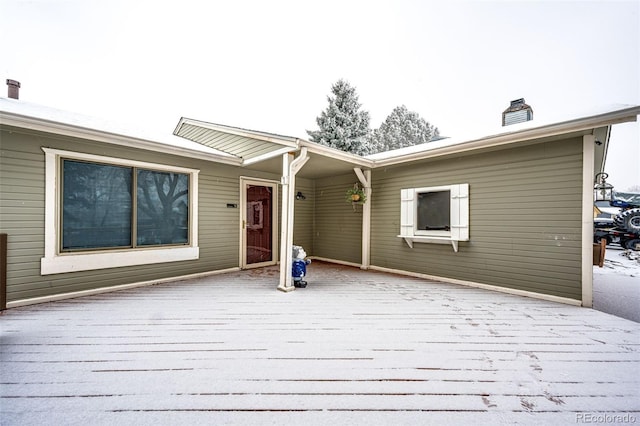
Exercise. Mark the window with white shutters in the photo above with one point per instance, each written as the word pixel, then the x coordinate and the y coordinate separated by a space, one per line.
pixel 438 214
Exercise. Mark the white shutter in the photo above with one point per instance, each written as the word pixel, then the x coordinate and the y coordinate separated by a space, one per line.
pixel 460 212
pixel 406 212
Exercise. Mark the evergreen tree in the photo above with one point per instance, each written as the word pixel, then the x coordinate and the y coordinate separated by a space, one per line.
pixel 343 125
pixel 400 129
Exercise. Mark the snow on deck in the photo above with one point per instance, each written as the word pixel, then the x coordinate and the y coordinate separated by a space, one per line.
pixel 616 286
pixel 354 347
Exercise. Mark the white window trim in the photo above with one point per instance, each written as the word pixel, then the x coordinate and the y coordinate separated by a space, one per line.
pixel 55 262
pixel 459 216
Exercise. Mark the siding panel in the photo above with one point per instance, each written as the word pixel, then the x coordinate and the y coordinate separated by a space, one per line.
pixel 524 206
pixel 338 227
pixel 22 216
pixel 304 216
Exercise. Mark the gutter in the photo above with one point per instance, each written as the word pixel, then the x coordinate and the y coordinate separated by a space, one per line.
pixel 606 149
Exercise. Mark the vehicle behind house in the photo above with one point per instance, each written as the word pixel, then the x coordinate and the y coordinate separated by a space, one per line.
pixel 618 221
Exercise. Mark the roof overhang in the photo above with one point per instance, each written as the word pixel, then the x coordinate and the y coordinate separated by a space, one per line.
pixel 323 162
pixel 263 151
pixel 248 145
pixel 519 134
pixel 20 115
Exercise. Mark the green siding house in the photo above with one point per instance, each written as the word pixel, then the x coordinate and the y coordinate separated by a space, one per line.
pixel 88 207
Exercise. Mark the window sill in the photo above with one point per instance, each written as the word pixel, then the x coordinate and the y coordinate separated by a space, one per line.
pixel 116 259
pixel 432 240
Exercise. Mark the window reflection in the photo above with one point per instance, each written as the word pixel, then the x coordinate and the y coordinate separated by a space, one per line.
pixel 96 206
pixel 162 207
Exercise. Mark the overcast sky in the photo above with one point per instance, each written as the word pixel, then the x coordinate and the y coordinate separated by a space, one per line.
pixel 269 65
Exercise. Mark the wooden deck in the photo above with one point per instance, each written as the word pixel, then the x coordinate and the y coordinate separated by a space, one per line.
pixel 354 347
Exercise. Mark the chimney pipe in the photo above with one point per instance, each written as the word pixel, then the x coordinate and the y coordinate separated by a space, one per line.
pixel 13 89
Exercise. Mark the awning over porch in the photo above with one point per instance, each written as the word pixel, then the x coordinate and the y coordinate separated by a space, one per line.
pixel 249 145
pixel 287 157
pixel 263 151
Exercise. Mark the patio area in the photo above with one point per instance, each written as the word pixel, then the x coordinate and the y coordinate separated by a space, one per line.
pixel 354 347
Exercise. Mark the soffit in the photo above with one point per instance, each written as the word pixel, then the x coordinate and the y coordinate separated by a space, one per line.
pixel 263 151
pixel 248 145
pixel 318 166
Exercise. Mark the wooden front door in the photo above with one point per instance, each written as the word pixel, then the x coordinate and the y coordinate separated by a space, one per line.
pixel 259 223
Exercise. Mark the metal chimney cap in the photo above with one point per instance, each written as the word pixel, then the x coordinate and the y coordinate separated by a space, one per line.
pixel 13 89
pixel 517 105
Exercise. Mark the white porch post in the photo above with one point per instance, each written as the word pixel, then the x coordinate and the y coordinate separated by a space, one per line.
pixel 284 218
pixel 289 171
pixel 365 180
pixel 588 158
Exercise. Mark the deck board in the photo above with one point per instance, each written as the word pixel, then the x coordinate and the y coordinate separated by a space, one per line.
pixel 354 347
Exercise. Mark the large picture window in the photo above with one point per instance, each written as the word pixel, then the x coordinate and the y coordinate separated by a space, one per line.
pixel 98 202
pixel 437 214
pixel 110 212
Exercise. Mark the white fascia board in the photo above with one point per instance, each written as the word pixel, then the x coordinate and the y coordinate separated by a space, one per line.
pixel 42 125
pixel 267 137
pixel 336 154
pixel 582 124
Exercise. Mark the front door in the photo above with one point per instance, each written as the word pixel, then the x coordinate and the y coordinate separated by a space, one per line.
pixel 259 233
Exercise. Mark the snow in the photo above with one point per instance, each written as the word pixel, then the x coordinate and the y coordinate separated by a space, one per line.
pixel 619 262
pixel 354 347
pixel 616 286
pixel 131 130
pixel 474 134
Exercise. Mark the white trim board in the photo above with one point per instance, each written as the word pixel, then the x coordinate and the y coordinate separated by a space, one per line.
pixel 101 290
pixel 55 262
pixel 242 211
pixel 515 292
pixel 588 173
pixel 507 290
pixel 336 261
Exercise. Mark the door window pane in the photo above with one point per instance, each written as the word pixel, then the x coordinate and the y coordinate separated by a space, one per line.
pixel 162 208
pixel 259 231
pixel 96 206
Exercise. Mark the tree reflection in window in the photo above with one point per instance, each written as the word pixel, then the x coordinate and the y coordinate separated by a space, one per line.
pixel 97 203
pixel 98 200
pixel 162 208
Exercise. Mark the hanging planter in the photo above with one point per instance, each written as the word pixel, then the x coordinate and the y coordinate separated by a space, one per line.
pixel 355 195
